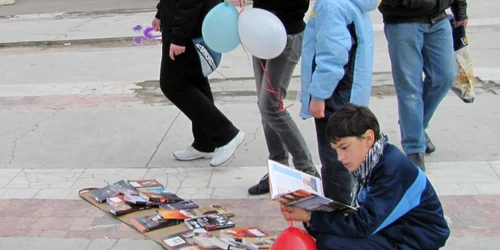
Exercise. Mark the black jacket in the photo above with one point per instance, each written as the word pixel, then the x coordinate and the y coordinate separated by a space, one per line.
pixel 181 20
pixel 427 11
pixel 290 12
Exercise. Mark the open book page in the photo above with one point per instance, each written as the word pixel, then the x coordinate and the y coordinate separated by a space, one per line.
pixel 294 188
pixel 285 180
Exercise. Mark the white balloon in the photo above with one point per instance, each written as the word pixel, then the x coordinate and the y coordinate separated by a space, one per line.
pixel 261 33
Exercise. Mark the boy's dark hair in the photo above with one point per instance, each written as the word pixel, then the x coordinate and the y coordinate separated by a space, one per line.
pixel 351 120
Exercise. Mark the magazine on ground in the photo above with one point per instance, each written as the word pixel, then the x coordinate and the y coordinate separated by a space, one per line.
pixel 295 188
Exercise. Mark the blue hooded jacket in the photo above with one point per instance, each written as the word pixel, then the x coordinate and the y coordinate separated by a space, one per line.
pixel 337 54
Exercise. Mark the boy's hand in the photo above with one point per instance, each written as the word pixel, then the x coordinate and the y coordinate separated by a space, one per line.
pixel 156 24
pixel 317 109
pixel 176 50
pixel 295 214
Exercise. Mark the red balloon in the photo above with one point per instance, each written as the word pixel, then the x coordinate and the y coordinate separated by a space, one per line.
pixel 294 238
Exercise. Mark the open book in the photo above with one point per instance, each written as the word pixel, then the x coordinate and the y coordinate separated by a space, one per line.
pixel 294 188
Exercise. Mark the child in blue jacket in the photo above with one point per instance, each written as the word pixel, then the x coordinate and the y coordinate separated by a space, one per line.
pixel 337 67
pixel 397 206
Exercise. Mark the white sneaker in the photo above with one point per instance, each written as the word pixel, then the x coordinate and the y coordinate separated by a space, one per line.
pixel 225 152
pixel 190 154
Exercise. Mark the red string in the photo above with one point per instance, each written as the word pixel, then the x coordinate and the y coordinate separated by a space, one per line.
pixel 279 100
pixel 290 222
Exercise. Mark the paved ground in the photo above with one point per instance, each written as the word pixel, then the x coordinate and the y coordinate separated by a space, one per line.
pixel 90 112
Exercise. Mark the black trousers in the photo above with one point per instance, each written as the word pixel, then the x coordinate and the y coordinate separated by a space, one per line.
pixel 183 83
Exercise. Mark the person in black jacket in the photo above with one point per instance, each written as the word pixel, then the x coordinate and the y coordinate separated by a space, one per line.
pixel 420 40
pixel 182 81
pixel 397 206
pixel 283 137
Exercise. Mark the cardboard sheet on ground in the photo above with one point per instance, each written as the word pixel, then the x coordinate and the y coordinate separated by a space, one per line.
pixel 156 235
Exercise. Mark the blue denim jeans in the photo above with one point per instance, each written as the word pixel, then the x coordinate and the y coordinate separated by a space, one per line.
pixel 415 48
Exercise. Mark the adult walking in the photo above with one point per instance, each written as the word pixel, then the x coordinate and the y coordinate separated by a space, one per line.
pixel 183 83
pixel 282 134
pixel 420 40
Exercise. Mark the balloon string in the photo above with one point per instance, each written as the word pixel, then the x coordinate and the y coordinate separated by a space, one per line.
pixel 279 100
pixel 290 222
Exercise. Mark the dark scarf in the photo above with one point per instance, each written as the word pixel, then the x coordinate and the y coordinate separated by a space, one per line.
pixel 362 175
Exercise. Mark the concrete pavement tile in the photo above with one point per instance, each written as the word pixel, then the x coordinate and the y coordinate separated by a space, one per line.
pixel 455 188
pixel 74 194
pixel 126 235
pixel 4 181
pixel 20 193
pixel 175 178
pixel 243 177
pixel 52 223
pixel 53 233
pixel 62 185
pixel 467 243
pixel 2 191
pixel 55 172
pixel 136 244
pixel 230 193
pixel 461 172
pixel 9 172
pixel 30 243
pixel 195 193
pixel 102 244
pixel 496 166
pixel 488 188
pixel 53 194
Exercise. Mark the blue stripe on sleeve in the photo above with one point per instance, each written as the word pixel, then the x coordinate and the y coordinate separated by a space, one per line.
pixel 410 200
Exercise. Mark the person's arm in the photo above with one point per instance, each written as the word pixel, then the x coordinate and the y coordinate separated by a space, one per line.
pixel 459 10
pixel 333 43
pixel 386 202
pixel 186 18
pixel 158 10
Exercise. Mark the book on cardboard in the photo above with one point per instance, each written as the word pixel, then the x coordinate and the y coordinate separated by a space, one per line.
pixel 210 242
pixel 118 206
pixel 243 232
pixel 152 222
pixel 137 200
pixel 145 183
pixel 210 223
pixel 176 214
pixel 184 239
pixel 102 194
pixel 158 194
pixel 258 243
pixel 179 205
pixel 214 210
pixel 295 188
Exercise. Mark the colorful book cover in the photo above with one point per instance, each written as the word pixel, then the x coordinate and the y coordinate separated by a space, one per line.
pixel 176 214
pixel 102 194
pixel 145 183
pixel 152 222
pixel 243 232
pixel 210 223
pixel 179 205
pixel 259 242
pixel 184 239
pixel 158 194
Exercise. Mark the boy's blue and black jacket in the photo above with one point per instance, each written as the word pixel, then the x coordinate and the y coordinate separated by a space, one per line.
pixel 337 54
pixel 400 204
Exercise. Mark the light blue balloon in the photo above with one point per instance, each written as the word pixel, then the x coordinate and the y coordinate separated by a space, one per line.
pixel 220 28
